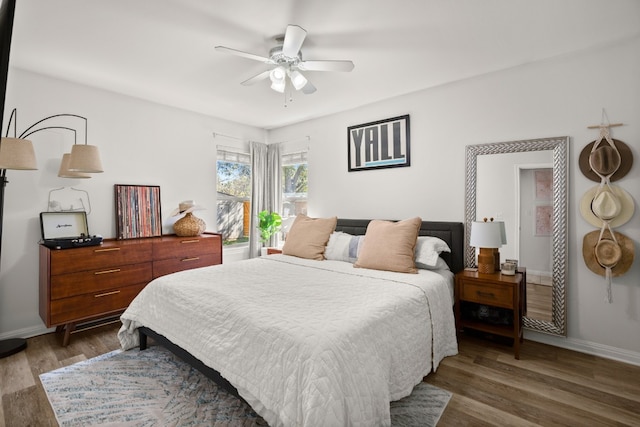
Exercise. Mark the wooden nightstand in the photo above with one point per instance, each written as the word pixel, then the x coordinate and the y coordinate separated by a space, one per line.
pixel 492 303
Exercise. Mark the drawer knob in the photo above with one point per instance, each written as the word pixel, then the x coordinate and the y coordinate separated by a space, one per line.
pixel 190 241
pixel 106 294
pixel 190 259
pixel 115 270
pixel 485 294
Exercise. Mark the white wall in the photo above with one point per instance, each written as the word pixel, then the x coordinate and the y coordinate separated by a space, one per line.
pixel 140 143
pixel 558 97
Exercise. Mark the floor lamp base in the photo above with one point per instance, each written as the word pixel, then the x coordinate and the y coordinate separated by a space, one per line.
pixel 12 346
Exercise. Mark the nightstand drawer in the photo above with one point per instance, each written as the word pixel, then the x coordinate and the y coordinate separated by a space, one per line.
pixel 501 296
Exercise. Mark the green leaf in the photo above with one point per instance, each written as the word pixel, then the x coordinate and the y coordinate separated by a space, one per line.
pixel 269 224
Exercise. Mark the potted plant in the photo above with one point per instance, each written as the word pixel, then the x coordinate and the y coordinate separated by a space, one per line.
pixel 269 224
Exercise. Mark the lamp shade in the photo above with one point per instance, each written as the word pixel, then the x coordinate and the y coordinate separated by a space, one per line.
pixel 486 234
pixel 16 153
pixel 297 79
pixel 278 86
pixel 64 171
pixel 503 232
pixel 85 158
pixel 277 75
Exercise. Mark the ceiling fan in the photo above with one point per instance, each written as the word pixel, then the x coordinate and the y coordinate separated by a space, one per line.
pixel 286 63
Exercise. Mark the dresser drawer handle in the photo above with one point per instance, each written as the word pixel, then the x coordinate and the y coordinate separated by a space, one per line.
pixel 485 294
pixel 106 250
pixel 190 241
pixel 106 294
pixel 115 270
pixel 190 259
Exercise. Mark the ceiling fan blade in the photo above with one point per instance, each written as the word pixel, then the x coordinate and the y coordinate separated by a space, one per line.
pixel 293 39
pixel 263 75
pixel 309 88
pixel 244 54
pixel 326 65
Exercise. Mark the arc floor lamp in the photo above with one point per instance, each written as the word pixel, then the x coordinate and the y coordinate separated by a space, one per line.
pixel 17 153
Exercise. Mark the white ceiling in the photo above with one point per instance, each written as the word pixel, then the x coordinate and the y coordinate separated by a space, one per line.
pixel 163 50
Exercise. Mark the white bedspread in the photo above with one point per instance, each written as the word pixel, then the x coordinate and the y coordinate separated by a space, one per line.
pixel 306 343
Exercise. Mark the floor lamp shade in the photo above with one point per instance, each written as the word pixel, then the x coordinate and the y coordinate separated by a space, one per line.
pixel 486 236
pixel 18 154
pixel 85 158
pixel 64 171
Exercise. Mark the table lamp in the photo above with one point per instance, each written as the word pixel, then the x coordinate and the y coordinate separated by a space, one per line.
pixel 503 238
pixel 487 236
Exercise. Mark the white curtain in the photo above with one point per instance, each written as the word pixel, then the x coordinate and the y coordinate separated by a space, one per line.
pixel 265 189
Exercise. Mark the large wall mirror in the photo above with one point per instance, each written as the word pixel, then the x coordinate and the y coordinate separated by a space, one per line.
pixel 525 184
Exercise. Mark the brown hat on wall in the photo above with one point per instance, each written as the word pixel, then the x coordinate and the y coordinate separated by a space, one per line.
pixel 599 253
pixel 605 159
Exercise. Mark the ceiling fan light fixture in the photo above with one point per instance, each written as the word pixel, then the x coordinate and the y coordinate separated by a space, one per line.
pixel 297 79
pixel 286 62
pixel 278 86
pixel 278 75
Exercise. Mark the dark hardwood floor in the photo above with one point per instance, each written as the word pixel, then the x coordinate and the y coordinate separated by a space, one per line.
pixel 548 386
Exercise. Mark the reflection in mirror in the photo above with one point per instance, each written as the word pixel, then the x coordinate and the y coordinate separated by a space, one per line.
pixel 524 184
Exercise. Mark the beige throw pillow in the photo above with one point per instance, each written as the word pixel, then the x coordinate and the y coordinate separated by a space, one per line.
pixel 308 237
pixel 390 246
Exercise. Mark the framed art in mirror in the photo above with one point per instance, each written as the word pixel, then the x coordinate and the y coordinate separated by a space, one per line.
pixel 137 211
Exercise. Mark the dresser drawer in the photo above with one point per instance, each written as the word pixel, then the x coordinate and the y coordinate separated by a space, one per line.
pixel 186 247
pixel 501 296
pixel 95 304
pixel 172 265
pixel 89 282
pixel 99 257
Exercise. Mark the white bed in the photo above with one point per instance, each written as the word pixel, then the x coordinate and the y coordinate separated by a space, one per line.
pixel 305 342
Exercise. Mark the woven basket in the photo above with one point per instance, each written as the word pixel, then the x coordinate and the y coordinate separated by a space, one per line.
pixel 189 226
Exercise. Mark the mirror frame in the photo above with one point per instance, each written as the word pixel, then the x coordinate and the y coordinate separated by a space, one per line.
pixel 560 148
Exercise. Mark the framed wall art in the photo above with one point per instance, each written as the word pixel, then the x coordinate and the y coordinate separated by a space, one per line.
pixel 544 220
pixel 137 211
pixel 381 144
pixel 544 183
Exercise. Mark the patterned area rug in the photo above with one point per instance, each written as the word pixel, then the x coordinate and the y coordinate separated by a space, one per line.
pixel 156 388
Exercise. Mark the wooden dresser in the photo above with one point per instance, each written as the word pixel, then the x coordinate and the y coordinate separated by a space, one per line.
pixel 84 284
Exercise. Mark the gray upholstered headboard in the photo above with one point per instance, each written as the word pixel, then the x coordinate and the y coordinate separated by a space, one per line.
pixel 450 232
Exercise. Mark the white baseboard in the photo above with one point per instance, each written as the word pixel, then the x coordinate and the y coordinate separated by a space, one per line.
pixel 26 332
pixel 588 347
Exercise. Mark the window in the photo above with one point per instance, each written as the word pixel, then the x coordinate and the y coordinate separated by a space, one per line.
pixel 234 196
pixel 294 184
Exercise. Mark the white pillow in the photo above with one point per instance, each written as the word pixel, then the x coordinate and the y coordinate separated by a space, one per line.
pixel 428 249
pixel 440 265
pixel 343 247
